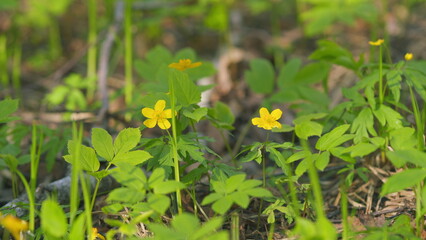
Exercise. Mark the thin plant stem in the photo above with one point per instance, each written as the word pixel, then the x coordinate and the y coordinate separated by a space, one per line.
pixel 192 194
pixel 271 231
pixel 30 200
pixel 4 78
pixel 75 172
pixel 419 215
pixel 35 157
pixel 418 118
pixel 381 90
pixel 128 53
pixel 315 184
pixel 92 51
pixel 235 226
pixel 87 203
pixel 344 209
pixel 95 191
pixel 174 139
pixel 16 70
pixel 54 40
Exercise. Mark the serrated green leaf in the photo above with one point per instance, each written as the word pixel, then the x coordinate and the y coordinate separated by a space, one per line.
pixel 159 203
pixel 156 59
pixel 126 140
pixel 208 228
pixel 186 224
pixel 185 90
pixel 402 180
pixel 102 143
pixel 362 125
pixel 322 160
pixel 258 192
pixel 125 195
pixel 307 129
pixel 403 138
pixel 222 205
pixel 387 115
pixel 87 159
pixel 212 197
pixel 240 198
pixel 133 157
pixel 168 187
pixel 331 139
pixel 363 149
pixel 288 73
pixel 157 177
pixel 394 79
pixel 400 157
pixel 8 106
pixel 234 182
pixel 196 114
pixel 298 155
pixel 261 76
pixel 53 219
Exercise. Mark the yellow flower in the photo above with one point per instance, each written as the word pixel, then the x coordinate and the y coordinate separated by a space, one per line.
pixel 268 120
pixel 14 225
pixel 158 115
pixel 408 56
pixel 96 235
pixel 184 64
pixel 376 43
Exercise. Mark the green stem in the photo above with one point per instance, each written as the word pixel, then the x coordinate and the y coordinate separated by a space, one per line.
pixel 87 203
pixel 54 40
pixel 418 118
pixel 128 53
pixel 381 90
pixel 174 139
pixel 75 172
pixel 419 215
pixel 235 226
pixel 315 183
pixel 4 78
pixel 344 207
pixel 16 70
pixel 35 157
pixel 30 200
pixel 92 51
pixel 95 191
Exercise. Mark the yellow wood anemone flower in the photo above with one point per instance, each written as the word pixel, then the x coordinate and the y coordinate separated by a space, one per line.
pixel 376 43
pixel 408 56
pixel 267 120
pixel 184 64
pixel 96 235
pixel 14 225
pixel 158 115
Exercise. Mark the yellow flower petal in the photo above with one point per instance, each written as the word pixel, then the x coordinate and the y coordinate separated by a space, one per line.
pixel 376 43
pixel 164 123
pixel 148 112
pixel 408 56
pixel 184 64
pixel 14 225
pixel 166 113
pixel 150 123
pixel 160 105
pixel 263 112
pixel 276 114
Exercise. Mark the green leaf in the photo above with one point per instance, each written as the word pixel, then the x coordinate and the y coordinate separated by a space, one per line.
pixel 362 149
pixel 402 180
pixel 186 92
pixel 156 177
pixel 212 197
pixel 87 159
pixel 126 140
pixel 260 77
pixel 156 59
pixel 133 157
pixel 258 192
pixel 126 195
pixel 186 224
pixel 394 79
pixel 159 203
pixel 307 129
pixel 333 138
pixel 8 106
pixel 403 138
pixel 208 228
pixel 223 116
pixel 240 198
pixel 197 114
pixel 130 176
pixel 313 73
pixel 222 205
pixel 53 219
pixel 362 125
pixel 77 225
pixel 288 73
pixel 234 182
pixel 322 160
pixel 400 157
pixel 102 143
pixel 168 187
pixel 389 116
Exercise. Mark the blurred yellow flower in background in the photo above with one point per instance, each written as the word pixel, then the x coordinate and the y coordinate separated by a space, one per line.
pixel 158 115
pixel 96 235
pixel 408 56
pixel 184 64
pixel 268 120
pixel 376 43
pixel 14 225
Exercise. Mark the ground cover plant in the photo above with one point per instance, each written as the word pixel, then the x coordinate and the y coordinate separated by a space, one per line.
pixel 211 120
